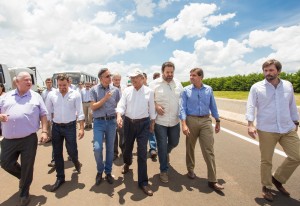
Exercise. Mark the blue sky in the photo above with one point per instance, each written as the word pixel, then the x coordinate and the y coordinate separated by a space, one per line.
pixel 224 37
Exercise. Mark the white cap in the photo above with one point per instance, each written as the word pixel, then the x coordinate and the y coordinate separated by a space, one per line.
pixel 135 73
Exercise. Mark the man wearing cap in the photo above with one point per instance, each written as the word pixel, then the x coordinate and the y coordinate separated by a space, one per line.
pixel 167 92
pixel 104 99
pixel 137 103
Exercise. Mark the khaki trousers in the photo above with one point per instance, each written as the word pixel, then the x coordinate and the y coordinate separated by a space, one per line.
pixel 201 128
pixel 87 113
pixel 291 145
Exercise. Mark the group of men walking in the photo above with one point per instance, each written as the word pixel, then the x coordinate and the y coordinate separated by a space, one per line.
pixel 137 113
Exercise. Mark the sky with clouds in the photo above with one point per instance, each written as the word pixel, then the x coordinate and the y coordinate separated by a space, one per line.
pixel 224 37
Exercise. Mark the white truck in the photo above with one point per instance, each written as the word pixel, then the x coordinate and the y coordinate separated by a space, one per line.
pixel 7 75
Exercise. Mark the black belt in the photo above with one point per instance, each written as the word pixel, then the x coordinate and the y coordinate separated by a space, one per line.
pixel 64 124
pixel 199 116
pixel 136 120
pixel 106 118
pixel 86 102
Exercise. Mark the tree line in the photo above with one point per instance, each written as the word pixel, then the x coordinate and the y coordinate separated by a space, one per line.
pixel 244 82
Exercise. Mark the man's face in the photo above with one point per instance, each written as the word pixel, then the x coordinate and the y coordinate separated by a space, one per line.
pixel 270 72
pixel 48 84
pixel 106 78
pixel 63 86
pixel 168 74
pixel 137 81
pixel 24 83
pixel 116 81
pixel 87 85
pixel 195 79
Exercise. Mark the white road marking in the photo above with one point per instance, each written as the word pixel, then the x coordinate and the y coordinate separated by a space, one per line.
pixel 277 151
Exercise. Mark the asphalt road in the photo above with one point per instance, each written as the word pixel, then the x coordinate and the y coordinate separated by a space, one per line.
pixel 237 168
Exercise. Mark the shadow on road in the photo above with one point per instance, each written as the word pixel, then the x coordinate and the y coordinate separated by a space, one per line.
pixel 34 200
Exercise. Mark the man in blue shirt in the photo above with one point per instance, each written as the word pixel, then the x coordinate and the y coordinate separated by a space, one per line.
pixel 197 101
pixel 104 99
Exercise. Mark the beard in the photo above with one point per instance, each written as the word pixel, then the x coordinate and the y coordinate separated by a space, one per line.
pixel 271 77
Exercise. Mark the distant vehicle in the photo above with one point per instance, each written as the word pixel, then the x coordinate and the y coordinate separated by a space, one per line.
pixel 7 75
pixel 77 76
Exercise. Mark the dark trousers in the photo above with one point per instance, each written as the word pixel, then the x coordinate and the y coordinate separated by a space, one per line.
pixel 119 141
pixel 140 132
pixel 59 134
pixel 11 150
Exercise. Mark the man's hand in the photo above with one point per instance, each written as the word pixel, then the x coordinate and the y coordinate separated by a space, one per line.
pixel 119 121
pixel 152 123
pixel 44 138
pixel 4 117
pixel 159 109
pixel 252 132
pixel 185 130
pixel 217 127
pixel 80 133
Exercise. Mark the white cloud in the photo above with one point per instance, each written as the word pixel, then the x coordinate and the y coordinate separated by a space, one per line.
pixel 193 20
pixel 104 17
pixel 164 3
pixel 145 7
pixel 236 23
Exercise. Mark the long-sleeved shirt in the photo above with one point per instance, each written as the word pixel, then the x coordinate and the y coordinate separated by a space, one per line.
pixel 109 107
pixel 45 93
pixel 137 104
pixel 24 113
pixel 64 108
pixel 276 107
pixel 85 95
pixel 198 102
pixel 167 95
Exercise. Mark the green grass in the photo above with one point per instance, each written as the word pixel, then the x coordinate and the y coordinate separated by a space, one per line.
pixel 243 95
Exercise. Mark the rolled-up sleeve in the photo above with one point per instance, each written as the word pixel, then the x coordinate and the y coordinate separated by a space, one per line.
pixel 79 108
pixel 182 105
pixel 251 104
pixel 152 113
pixel 121 106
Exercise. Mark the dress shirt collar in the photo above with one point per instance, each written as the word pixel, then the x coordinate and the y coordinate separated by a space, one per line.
pixel 18 94
pixel 105 88
pixel 268 83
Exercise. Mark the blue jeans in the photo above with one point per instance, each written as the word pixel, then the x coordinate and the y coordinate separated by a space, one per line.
pixel 167 139
pixel 140 132
pixel 104 129
pixel 59 134
pixel 152 141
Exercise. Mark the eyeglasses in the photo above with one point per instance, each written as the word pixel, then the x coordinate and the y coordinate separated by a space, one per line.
pixel 108 76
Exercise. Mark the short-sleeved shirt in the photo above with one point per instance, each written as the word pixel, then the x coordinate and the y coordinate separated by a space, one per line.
pixel 24 113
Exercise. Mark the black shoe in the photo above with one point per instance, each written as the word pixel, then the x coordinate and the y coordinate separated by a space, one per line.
pixel 153 154
pixel 109 179
pixel 279 187
pixel 24 201
pixel 51 164
pixel 78 166
pixel 125 169
pixel 146 189
pixel 98 178
pixel 57 184
pixel 215 186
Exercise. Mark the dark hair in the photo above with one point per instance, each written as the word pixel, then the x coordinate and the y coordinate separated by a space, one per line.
pixel 199 71
pixel 62 77
pixel 156 75
pixel 48 79
pixel 103 70
pixel 145 75
pixel 167 64
pixel 270 62
pixel 3 87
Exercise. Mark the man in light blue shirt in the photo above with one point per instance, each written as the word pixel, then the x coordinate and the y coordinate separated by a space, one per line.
pixel 277 121
pixel 197 101
pixel 86 100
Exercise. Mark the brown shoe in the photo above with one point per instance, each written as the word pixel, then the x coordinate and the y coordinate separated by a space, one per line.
pixel 267 194
pixel 191 175
pixel 125 169
pixel 279 187
pixel 146 189
pixel 216 186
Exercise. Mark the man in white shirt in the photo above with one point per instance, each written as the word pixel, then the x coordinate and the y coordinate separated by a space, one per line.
pixel 137 104
pixel 167 92
pixel 64 105
pixel 277 122
pixel 86 100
